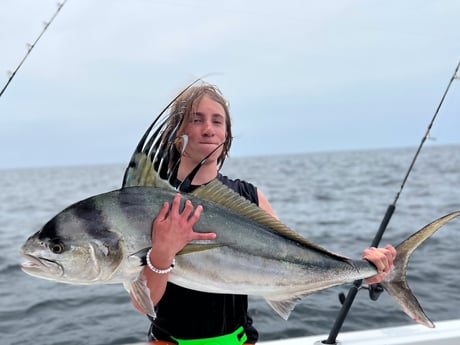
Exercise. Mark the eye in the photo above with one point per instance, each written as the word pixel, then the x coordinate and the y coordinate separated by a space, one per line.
pixel 57 247
pixel 218 119
pixel 196 118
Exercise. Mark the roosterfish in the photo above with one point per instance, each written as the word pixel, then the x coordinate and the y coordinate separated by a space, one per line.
pixel 104 240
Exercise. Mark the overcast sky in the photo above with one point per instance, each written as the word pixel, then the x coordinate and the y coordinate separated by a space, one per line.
pixel 300 75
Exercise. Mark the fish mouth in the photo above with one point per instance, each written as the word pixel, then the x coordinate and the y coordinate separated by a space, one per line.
pixel 41 267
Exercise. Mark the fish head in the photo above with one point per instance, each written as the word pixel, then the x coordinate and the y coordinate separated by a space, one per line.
pixel 74 247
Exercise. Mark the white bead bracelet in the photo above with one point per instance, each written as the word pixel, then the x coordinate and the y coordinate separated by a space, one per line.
pixel 157 270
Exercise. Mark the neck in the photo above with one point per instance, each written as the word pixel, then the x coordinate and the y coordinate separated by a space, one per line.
pixel 206 173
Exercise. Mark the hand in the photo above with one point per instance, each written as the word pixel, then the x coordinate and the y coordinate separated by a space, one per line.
pixel 383 259
pixel 172 229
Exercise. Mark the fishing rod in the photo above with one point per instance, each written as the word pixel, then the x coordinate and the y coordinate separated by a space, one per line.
pixel 31 46
pixel 376 289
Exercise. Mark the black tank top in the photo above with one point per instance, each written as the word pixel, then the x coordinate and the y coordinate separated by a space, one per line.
pixel 190 314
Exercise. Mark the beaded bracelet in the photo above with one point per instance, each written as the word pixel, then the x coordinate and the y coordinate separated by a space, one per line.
pixel 157 270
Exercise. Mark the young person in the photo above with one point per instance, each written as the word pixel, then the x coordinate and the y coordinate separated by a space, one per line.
pixel 189 314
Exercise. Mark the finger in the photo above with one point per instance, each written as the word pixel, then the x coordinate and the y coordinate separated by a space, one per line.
pixel 369 254
pixel 195 214
pixel 376 257
pixel 204 236
pixel 375 279
pixel 392 251
pixel 163 213
pixel 188 209
pixel 176 203
pixel 389 254
pixel 200 235
pixel 384 263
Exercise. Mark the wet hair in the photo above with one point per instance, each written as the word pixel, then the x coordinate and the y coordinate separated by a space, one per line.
pixel 183 108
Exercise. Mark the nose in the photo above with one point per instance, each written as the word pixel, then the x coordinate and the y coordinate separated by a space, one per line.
pixel 208 129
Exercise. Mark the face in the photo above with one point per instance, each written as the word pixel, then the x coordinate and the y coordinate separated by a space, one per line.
pixel 206 130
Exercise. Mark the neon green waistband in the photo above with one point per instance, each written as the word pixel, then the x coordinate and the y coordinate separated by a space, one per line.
pixel 237 337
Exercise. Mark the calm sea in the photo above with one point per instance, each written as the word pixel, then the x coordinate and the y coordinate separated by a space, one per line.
pixel 335 199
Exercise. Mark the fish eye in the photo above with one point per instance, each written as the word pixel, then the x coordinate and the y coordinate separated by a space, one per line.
pixel 57 247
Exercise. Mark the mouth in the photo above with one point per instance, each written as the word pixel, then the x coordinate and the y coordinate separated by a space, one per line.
pixel 41 267
pixel 33 262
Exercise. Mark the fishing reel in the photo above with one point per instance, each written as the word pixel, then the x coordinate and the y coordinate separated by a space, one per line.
pixel 375 290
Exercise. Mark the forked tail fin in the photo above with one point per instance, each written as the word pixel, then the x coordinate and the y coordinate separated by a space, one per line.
pixel 395 283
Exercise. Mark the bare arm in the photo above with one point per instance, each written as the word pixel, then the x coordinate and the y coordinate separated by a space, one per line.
pixel 265 205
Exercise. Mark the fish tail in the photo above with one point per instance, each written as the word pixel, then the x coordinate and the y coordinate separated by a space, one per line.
pixel 395 283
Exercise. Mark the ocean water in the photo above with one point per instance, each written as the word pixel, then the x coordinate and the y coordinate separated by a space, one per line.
pixel 335 199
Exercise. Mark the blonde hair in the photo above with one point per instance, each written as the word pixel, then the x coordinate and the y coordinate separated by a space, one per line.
pixel 183 108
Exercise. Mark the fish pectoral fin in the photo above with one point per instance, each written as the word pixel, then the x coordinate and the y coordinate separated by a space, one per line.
pixel 138 258
pixel 199 247
pixel 141 293
pixel 284 307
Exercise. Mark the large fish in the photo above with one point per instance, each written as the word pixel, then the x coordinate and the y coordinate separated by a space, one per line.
pixel 104 240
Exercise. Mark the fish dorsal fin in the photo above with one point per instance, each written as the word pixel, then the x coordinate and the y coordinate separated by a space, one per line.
pixel 151 164
pixel 219 193
pixel 140 172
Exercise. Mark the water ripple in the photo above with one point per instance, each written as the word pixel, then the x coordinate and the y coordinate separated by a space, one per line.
pixel 336 199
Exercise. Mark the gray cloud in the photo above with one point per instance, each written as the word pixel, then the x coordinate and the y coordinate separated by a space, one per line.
pixel 300 75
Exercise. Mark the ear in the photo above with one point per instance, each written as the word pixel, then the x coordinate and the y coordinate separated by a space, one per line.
pixel 179 142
